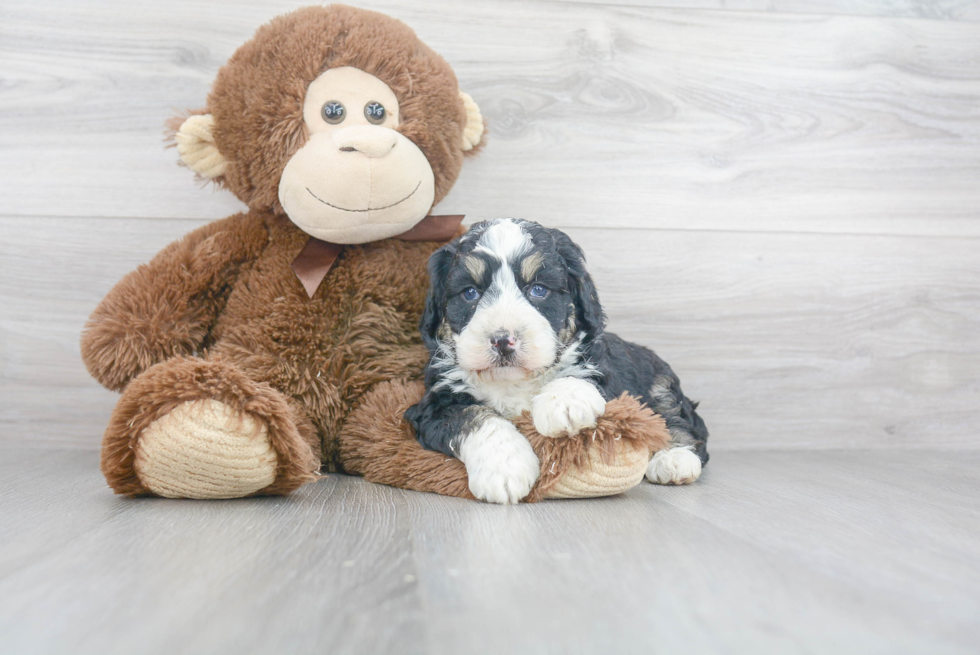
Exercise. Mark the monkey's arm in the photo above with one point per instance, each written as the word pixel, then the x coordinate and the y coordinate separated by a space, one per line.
pixel 167 307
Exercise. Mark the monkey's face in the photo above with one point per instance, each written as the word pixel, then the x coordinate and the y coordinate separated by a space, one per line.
pixel 356 179
pixel 339 118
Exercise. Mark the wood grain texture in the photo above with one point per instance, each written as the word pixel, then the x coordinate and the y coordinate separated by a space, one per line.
pixel 955 10
pixel 599 114
pixel 784 204
pixel 790 340
pixel 287 571
pixel 50 281
pixel 806 552
pixel 805 340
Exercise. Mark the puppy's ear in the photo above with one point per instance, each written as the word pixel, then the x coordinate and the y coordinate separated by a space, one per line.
pixel 589 314
pixel 435 302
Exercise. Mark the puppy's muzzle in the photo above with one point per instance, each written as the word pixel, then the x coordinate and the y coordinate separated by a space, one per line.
pixel 504 344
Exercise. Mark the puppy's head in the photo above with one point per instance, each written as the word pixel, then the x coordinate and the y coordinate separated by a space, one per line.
pixel 508 297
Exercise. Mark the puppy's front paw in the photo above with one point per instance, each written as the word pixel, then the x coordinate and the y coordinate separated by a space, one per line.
pixel 500 463
pixel 565 406
pixel 674 466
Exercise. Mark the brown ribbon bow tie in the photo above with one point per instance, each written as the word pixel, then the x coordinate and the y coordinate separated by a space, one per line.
pixel 317 257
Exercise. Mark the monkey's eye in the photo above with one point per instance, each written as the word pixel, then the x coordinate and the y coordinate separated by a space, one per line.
pixel 375 112
pixel 538 291
pixel 333 112
pixel 470 294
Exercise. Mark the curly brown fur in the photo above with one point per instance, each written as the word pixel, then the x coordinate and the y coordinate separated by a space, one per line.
pixel 324 351
pixel 167 307
pixel 379 445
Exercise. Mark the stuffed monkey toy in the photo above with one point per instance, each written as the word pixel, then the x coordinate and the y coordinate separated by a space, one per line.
pixel 266 347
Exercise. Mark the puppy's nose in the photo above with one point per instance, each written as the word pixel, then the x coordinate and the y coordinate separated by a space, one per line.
pixel 369 140
pixel 503 342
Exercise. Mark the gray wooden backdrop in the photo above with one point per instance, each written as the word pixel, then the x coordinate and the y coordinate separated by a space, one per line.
pixel 781 197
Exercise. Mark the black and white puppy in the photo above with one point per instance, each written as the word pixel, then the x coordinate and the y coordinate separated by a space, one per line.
pixel 513 323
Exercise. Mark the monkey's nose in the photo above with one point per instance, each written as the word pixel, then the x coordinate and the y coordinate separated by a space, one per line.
pixel 503 342
pixel 369 140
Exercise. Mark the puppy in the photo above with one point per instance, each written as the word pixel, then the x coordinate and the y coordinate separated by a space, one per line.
pixel 513 323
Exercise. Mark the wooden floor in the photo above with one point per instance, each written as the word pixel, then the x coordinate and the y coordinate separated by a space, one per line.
pixel 805 552
pixel 781 197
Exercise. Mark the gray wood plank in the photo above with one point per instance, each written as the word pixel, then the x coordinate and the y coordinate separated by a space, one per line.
pixel 94 573
pixel 770 552
pixel 956 10
pixel 805 340
pixel 894 504
pixel 50 281
pixel 790 340
pixel 791 562
pixel 599 114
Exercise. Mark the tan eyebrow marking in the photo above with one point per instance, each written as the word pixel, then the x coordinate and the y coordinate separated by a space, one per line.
pixel 476 266
pixel 531 264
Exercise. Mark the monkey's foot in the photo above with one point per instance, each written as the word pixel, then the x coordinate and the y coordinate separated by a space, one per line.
pixel 605 460
pixel 600 478
pixel 193 428
pixel 205 449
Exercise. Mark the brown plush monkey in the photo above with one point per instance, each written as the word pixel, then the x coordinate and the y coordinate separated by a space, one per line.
pixel 265 347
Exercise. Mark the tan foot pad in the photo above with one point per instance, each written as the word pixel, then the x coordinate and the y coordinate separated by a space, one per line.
pixel 205 449
pixel 598 478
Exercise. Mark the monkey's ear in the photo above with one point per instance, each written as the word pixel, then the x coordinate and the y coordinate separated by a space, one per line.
pixel 195 143
pixel 473 131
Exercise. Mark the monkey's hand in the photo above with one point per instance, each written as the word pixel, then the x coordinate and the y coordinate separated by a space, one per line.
pixel 167 307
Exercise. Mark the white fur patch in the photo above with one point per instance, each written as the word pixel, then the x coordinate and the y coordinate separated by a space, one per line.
pixel 500 463
pixel 674 466
pixel 565 406
pixel 509 396
pixel 505 240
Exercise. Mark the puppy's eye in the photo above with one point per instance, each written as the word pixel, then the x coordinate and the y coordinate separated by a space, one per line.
pixel 538 291
pixel 333 112
pixel 375 112
pixel 470 294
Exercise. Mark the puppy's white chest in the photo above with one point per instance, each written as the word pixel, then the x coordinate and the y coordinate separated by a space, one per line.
pixel 508 398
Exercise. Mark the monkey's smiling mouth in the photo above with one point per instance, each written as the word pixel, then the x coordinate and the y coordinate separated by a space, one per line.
pixel 369 209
